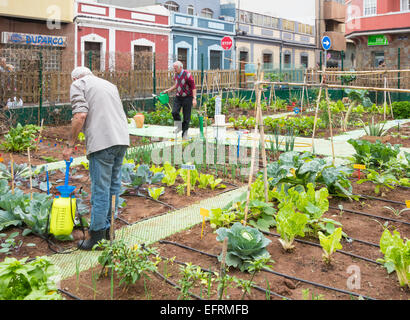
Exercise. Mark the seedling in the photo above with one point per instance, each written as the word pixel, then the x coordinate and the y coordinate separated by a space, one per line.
pixel 396 212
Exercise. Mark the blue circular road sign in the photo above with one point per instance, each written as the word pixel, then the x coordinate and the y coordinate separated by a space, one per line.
pixel 326 43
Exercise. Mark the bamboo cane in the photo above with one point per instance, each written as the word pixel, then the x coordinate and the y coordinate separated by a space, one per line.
pixel 39 135
pixel 12 173
pixel 31 173
pixel 112 219
pixel 331 126
pixel 338 86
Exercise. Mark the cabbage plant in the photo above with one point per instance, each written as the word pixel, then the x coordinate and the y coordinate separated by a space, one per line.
pixel 245 244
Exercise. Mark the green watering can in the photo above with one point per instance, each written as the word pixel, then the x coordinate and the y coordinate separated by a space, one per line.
pixel 163 98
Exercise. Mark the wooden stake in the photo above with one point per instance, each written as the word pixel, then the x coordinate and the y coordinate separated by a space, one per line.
pixel 259 122
pixel 188 187
pixel 112 219
pixel 331 125
pixel 12 173
pixel 315 120
pixel 31 179
pixel 222 269
pixel 39 135
pixel 385 99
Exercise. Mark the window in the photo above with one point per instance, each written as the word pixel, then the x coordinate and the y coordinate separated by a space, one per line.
pixel 370 7
pixel 267 61
pixel 207 13
pixel 275 22
pixel 142 58
pixel 405 5
pixel 171 6
pixel 258 19
pixel 378 57
pixel 243 59
pixel 304 60
pixel 287 60
pixel 190 10
pixel 288 25
pixel 215 59
pixel 23 58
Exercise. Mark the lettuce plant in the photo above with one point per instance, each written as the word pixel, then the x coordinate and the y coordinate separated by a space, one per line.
pixel 203 180
pixel 170 174
pixel 396 255
pixel 330 243
pixel 155 193
pixel 245 244
pixel 289 224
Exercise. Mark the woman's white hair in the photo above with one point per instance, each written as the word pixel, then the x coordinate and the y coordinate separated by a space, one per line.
pixel 79 72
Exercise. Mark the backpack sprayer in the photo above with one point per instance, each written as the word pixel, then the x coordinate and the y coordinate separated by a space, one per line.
pixel 63 208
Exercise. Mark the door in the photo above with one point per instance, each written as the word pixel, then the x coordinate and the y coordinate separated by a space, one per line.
pixel 243 59
pixel 92 55
pixel 183 57
pixel 215 59
pixel 142 58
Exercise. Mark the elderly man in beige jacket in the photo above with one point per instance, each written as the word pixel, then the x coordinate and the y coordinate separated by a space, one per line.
pixel 97 110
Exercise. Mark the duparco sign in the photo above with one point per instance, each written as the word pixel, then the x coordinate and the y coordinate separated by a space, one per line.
pixel 33 39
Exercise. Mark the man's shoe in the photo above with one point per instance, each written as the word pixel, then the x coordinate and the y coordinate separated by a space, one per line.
pixel 95 236
pixel 185 135
pixel 178 125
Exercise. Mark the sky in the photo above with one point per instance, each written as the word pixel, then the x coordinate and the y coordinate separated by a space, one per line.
pixel 299 10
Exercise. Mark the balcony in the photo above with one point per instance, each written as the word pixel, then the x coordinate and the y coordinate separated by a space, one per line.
pixel 333 10
pixel 195 22
pixel 338 40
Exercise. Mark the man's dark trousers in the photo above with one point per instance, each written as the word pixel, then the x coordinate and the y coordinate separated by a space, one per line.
pixel 186 104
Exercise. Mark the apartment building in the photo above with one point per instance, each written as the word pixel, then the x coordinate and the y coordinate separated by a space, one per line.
pixel 380 30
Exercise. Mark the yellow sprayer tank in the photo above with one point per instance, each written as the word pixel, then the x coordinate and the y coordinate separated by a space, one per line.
pixel 62 216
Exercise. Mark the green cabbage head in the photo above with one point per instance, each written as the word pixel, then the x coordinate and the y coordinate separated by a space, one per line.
pixel 245 244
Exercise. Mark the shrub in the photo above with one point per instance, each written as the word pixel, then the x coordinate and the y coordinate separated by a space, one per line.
pixel 401 110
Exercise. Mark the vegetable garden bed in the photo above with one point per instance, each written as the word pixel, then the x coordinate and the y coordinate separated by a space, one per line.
pixel 300 185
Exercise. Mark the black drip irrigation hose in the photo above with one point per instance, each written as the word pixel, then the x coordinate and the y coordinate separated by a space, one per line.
pixel 254 285
pixel 318 245
pixel 69 294
pixel 371 215
pixel 175 285
pixel 379 199
pixel 275 273
pixel 209 271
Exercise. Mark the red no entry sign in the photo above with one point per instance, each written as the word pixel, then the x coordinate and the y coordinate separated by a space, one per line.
pixel 226 43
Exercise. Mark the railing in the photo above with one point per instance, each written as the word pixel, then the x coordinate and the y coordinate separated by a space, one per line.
pixel 55 85
pixel 394 78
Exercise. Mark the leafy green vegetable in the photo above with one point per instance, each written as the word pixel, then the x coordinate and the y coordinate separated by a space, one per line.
pixel 245 244
pixel 396 255
pixel 298 169
pixel 203 180
pixel 330 243
pixel 373 155
pixel 155 193
pixel 20 138
pixel 22 280
pixel 381 180
pixel 170 174
pixel 289 224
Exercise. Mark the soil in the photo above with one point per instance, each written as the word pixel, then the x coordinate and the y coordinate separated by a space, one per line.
pixel 304 262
